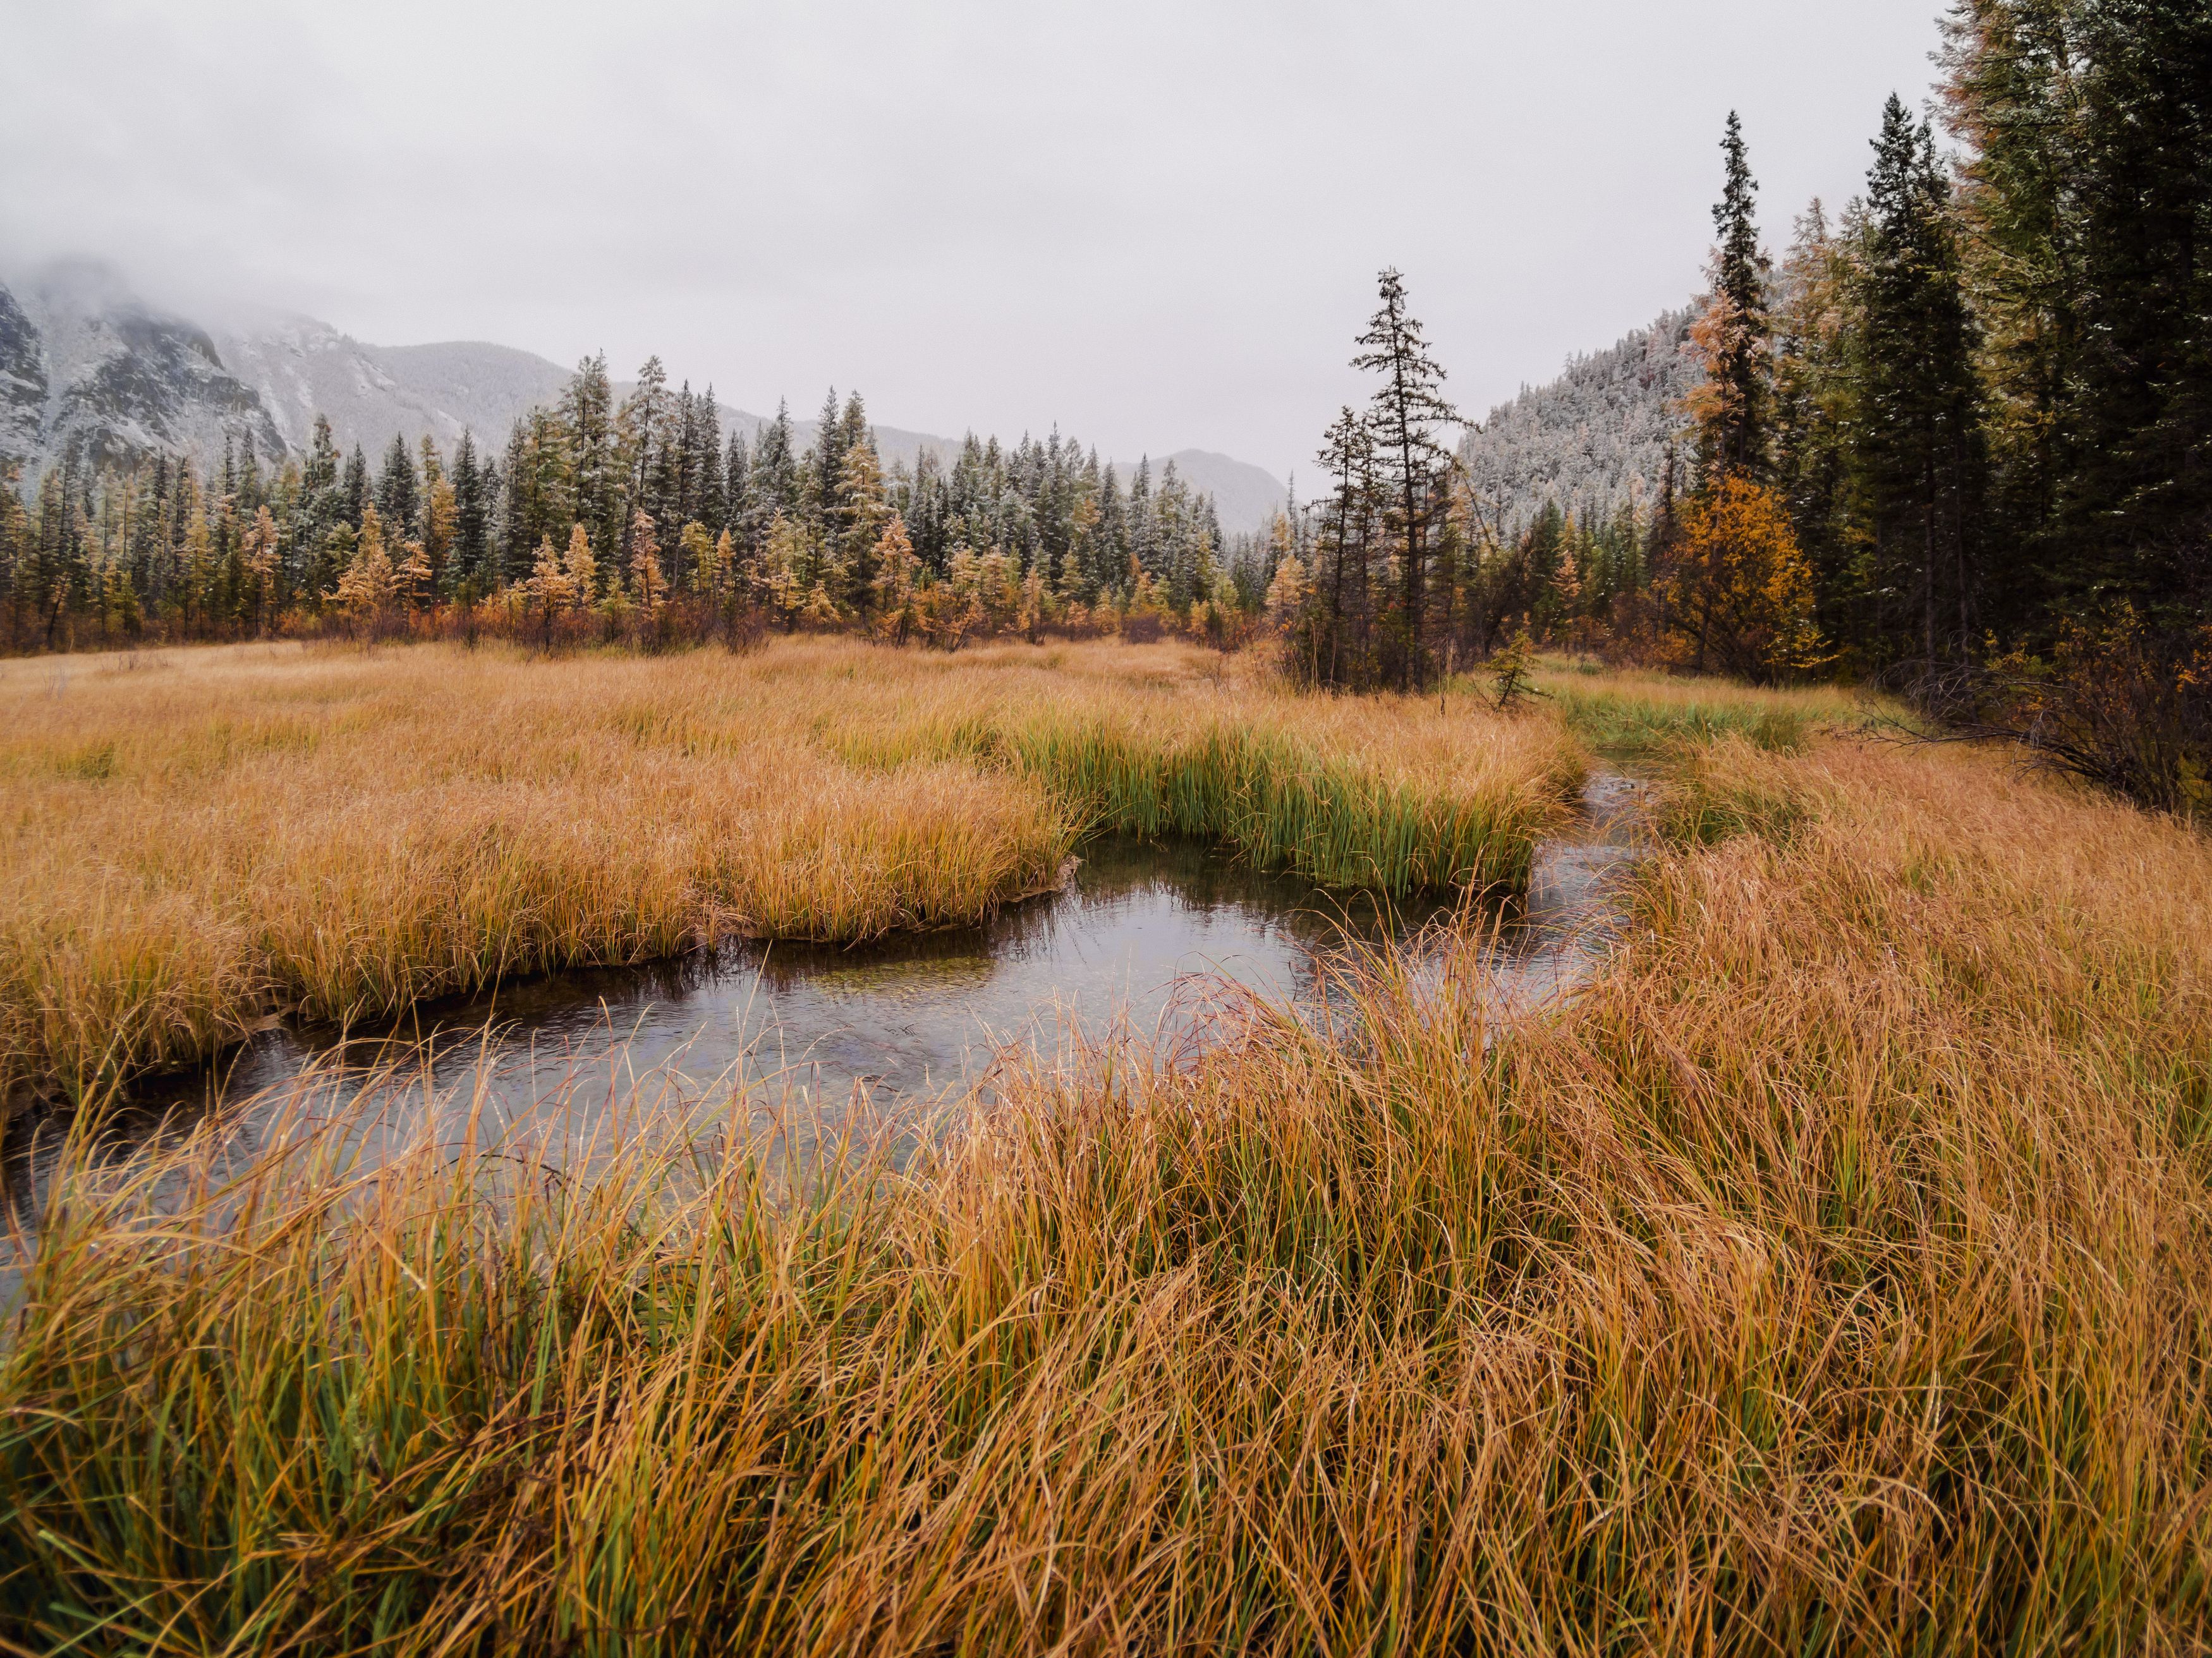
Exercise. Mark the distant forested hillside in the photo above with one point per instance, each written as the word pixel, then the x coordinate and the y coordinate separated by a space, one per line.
pixel 1593 440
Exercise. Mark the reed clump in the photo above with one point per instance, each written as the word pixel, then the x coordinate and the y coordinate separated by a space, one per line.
pixel 1834 1276
pixel 1642 715
pixel 201 842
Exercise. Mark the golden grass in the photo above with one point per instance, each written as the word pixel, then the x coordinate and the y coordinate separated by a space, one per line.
pixel 1834 1277
pixel 198 839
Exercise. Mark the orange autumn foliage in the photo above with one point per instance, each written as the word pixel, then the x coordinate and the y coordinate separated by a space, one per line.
pixel 1736 595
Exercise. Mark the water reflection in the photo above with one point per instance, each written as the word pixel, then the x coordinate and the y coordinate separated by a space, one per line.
pixel 1145 940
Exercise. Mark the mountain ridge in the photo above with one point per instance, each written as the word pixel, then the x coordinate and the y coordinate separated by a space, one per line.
pixel 1596 438
pixel 128 379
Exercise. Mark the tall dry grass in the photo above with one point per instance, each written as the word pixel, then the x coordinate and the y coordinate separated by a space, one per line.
pixel 1834 1277
pixel 199 839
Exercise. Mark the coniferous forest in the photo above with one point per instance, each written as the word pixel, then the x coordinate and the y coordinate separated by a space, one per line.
pixel 1952 438
pixel 619 521
pixel 723 1044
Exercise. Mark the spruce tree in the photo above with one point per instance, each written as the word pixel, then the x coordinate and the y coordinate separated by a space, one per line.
pixel 594 470
pixel 471 519
pixel 1919 446
pixel 2087 204
pixel 354 486
pixel 517 539
pixel 399 492
pixel 1735 329
pixel 1815 418
pixel 774 473
pixel 638 437
pixel 737 491
pixel 825 466
pixel 1404 414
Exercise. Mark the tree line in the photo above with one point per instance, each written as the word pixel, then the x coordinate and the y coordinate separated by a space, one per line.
pixel 1958 439
pixel 630 517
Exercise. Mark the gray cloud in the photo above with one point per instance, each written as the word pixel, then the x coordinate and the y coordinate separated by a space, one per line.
pixel 1156 225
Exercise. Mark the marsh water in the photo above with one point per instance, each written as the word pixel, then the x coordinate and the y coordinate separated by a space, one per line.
pixel 1147 940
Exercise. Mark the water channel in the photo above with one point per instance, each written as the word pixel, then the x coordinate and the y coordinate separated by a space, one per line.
pixel 1146 940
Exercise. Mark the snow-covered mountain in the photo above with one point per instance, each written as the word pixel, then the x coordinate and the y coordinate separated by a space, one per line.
pixel 1246 498
pixel 85 363
pixel 1593 439
pixel 301 367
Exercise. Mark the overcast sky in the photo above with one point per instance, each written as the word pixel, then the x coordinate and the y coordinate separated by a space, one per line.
pixel 1156 225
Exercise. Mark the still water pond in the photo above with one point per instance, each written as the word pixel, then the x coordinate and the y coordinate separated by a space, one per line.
pixel 1146 939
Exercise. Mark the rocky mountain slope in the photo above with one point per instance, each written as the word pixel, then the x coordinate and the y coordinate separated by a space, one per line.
pixel 301 367
pixel 1595 438
pixel 85 364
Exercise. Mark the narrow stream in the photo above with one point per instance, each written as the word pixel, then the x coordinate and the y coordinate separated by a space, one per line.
pixel 1145 941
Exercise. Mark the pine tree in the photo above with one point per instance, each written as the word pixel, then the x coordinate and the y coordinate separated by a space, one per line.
pixel 825 473
pixel 398 491
pixel 1336 646
pixel 1919 444
pixel 1410 459
pixel 354 486
pixel 1732 408
pixel 1816 419
pixel 472 566
pixel 638 439
pixel 594 471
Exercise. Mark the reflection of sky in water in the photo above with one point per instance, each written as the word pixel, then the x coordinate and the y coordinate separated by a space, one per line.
pixel 1142 942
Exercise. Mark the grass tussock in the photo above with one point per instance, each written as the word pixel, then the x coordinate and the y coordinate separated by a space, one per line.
pixel 1834 1277
pixel 1640 714
pixel 201 841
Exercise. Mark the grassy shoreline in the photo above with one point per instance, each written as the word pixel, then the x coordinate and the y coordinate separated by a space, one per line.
pixel 1834 1276
pixel 206 837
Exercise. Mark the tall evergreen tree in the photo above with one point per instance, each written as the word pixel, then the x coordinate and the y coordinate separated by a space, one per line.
pixel 640 433
pixel 1815 418
pixel 354 486
pixel 2087 199
pixel 399 492
pixel 1919 432
pixel 1732 407
pixel 473 520
pixel 1411 459
pixel 828 466
pixel 597 484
